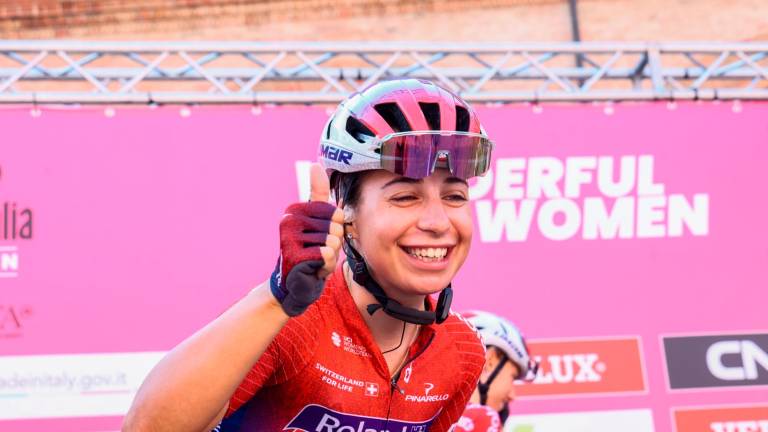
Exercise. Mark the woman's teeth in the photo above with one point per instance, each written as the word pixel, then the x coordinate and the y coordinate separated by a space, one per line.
pixel 428 254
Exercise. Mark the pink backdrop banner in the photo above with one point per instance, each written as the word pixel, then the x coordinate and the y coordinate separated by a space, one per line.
pixel 125 233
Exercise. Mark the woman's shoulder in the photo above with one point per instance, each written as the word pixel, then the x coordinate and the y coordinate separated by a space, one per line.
pixel 463 336
pixel 457 325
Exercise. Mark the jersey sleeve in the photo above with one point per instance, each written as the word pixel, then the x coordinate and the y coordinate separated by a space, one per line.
pixel 284 358
pixel 471 355
pixel 452 411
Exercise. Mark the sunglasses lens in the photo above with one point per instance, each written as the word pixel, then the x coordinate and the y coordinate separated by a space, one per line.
pixel 415 156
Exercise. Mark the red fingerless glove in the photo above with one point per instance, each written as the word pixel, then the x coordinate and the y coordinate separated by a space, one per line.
pixel 303 230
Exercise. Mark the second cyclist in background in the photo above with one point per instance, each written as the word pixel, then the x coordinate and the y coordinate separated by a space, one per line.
pixel 507 360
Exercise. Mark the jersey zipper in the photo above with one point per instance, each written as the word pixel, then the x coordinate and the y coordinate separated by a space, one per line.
pixel 396 377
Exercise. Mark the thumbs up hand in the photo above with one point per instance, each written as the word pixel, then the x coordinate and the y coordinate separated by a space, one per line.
pixel 310 240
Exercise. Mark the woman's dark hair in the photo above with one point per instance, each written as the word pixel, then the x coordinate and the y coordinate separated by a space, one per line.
pixel 346 187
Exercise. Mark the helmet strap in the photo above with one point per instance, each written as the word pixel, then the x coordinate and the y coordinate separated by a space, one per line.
pixel 483 387
pixel 504 413
pixel 391 306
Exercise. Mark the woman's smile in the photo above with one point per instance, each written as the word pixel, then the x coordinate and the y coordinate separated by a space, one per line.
pixel 425 257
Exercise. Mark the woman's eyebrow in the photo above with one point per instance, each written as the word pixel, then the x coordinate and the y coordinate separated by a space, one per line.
pixel 406 180
pixel 452 180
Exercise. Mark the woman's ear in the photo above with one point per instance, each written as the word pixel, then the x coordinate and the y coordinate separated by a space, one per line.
pixel 349 214
pixel 492 358
pixel 489 366
pixel 349 227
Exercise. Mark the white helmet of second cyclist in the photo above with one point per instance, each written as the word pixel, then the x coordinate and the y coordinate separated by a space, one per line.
pixel 499 332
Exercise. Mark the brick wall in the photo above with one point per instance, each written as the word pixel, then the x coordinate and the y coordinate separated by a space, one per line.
pixel 38 18
pixel 430 20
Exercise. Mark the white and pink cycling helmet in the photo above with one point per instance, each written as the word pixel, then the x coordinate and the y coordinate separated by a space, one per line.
pixel 408 127
pixel 502 334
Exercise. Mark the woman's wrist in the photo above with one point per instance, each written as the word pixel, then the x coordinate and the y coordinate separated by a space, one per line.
pixel 261 300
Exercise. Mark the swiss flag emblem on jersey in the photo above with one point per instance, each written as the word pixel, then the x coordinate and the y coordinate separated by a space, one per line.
pixel 371 389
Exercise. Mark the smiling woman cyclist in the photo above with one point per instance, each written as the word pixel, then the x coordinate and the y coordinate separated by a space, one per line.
pixel 360 346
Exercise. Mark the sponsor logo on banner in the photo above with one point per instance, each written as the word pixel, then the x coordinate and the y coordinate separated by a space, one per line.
pixel 15 226
pixel 12 320
pixel 716 361
pixel 319 418
pixel 594 421
pixel 721 419
pixel 72 385
pixel 586 197
pixel 574 367
pixel 9 261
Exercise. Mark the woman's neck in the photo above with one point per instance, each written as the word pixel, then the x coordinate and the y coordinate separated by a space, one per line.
pixel 387 331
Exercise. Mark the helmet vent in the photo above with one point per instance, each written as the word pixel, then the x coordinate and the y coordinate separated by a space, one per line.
pixel 357 129
pixel 431 113
pixel 328 129
pixel 394 116
pixel 462 119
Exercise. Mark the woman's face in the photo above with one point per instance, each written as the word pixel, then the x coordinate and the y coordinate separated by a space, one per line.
pixel 413 234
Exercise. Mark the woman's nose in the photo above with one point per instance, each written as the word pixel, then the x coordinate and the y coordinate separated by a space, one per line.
pixel 434 217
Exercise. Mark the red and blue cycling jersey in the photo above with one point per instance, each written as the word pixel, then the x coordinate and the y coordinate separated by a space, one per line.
pixel 478 418
pixel 324 372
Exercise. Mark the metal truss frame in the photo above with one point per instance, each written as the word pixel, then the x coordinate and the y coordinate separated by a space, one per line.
pixel 302 72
